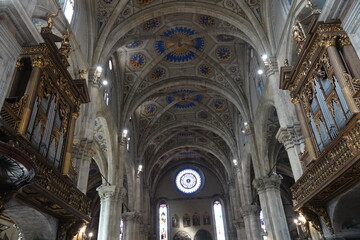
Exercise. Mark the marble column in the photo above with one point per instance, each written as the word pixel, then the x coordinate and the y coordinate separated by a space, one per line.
pixel 132 221
pixel 84 154
pixel 275 220
pixel 250 213
pixel 111 199
pixel 293 140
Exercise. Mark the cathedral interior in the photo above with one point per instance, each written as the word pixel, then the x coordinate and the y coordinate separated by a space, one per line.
pixel 179 120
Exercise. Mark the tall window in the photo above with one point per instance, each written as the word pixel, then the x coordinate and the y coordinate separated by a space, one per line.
pixel 219 221
pixel 68 8
pixel 121 229
pixel 163 222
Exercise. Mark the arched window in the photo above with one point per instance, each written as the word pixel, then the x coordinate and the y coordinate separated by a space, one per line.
pixel 219 221
pixel 163 216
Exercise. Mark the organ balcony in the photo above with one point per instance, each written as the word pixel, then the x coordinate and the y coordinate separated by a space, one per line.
pixel 37 124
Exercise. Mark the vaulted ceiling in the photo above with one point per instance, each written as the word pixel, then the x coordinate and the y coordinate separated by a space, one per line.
pixel 183 70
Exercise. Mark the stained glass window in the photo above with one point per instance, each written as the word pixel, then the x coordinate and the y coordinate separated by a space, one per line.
pixel 262 225
pixel 163 221
pixel 219 221
pixel 188 181
pixel 121 229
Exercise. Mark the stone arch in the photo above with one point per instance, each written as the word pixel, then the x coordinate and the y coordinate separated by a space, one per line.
pixel 103 140
pixel 260 132
pixel 32 223
pixel 102 52
pixel 203 235
pixel 344 214
pixel 238 100
pixel 221 158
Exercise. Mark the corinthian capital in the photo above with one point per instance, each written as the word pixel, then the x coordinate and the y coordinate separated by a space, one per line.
pixel 290 136
pixel 266 183
pixel 134 217
pixel 106 192
pixel 249 210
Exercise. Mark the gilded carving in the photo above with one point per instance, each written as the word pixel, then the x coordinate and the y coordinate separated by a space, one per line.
pixel 37 61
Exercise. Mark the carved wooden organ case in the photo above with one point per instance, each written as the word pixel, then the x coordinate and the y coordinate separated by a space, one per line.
pixel 37 127
pixel 324 84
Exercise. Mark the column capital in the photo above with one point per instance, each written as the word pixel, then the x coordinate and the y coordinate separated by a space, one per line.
pixel 290 136
pixel 271 66
pixel 239 223
pixel 247 210
pixel 106 192
pixel 266 183
pixel 134 217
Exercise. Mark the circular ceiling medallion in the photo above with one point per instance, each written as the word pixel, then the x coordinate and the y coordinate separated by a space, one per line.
pixel 151 24
pixel 150 109
pixel 223 53
pixel 138 60
pixel 188 181
pixel 178 40
pixel 206 21
pixel 205 70
pixel 158 74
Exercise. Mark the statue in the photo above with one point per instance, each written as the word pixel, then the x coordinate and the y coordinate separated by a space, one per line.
pixel 50 19
pixel 82 74
pixel 286 62
pixel 298 33
pixel 65 48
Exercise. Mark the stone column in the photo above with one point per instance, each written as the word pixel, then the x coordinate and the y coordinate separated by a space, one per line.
pixel 132 221
pixel 240 229
pixel 269 193
pixel 37 63
pixel 110 204
pixel 250 213
pixel 84 156
pixel 292 139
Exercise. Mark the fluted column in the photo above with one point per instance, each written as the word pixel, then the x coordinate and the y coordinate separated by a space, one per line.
pixel 350 56
pixel 275 220
pixel 292 139
pixel 132 221
pixel 250 213
pixel 110 204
